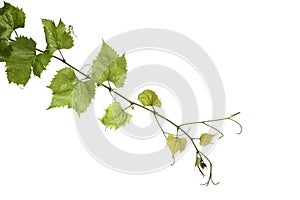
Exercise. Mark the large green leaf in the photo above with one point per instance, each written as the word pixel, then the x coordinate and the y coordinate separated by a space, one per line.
pixel 176 144
pixel 18 64
pixel 5 50
pixel 149 98
pixel 62 87
pixel 109 66
pixel 57 37
pixel 69 91
pixel 83 94
pixel 115 116
pixel 11 18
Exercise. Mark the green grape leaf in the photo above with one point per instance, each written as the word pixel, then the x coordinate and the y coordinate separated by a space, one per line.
pixel 62 87
pixel 69 91
pixel 5 50
pixel 205 139
pixel 200 163
pixel 18 64
pixel 115 116
pixel 149 98
pixel 40 62
pixel 57 37
pixel 11 18
pixel 176 144
pixel 83 94
pixel 109 66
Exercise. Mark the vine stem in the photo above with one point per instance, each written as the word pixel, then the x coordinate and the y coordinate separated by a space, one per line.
pixel 215 120
pixel 63 58
pixel 16 33
pixel 161 128
pixel 65 62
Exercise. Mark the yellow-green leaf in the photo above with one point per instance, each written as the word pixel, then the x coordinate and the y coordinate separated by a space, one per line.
pixel 197 162
pixel 205 139
pixel 176 144
pixel 115 116
pixel 149 98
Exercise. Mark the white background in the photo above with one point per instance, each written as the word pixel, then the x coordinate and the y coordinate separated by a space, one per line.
pixel 255 46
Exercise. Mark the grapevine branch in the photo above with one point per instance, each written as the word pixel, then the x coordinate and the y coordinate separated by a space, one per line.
pixel 60 38
pixel 156 114
pixel 178 127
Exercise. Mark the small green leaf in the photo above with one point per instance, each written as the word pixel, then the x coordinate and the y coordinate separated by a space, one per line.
pixel 40 62
pixel 11 18
pixel 115 116
pixel 149 98
pixel 200 163
pixel 205 139
pixel 57 37
pixel 197 162
pixel 176 144
pixel 71 92
pixel 5 50
pixel 18 64
pixel 109 66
